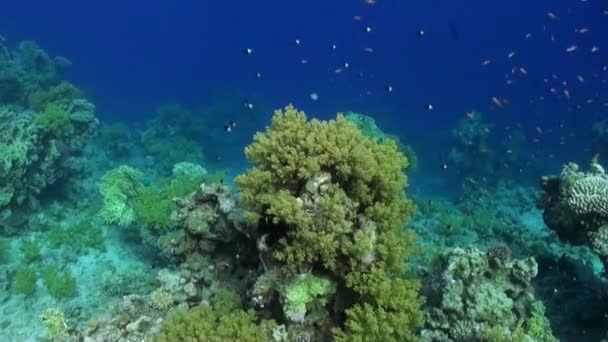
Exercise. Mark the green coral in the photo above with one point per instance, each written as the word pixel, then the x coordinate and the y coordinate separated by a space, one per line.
pixel 30 251
pixel 5 250
pixel 55 119
pixel 56 327
pixel 332 200
pixel 301 291
pixel 119 187
pixel 80 235
pixel 116 138
pixel 154 204
pixel 64 91
pixel 537 325
pixel 226 300
pixel 161 300
pixel 24 281
pixel 61 284
pixel 203 323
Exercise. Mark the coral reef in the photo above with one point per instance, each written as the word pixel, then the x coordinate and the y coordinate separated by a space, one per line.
pixel 575 206
pixel 474 292
pixel 203 323
pixel 172 136
pixel 471 153
pixel 367 125
pixel 38 145
pixel 26 71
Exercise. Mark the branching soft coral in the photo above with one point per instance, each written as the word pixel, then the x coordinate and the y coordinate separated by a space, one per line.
pixel 119 187
pixel 329 200
pixel 203 323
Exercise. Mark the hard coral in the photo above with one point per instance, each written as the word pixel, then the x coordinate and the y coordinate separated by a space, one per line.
pixel 471 293
pixel 575 206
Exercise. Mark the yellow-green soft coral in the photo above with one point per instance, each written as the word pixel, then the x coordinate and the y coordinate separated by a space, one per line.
pixel 54 321
pixel 329 200
pixel 203 323
pixel 328 167
pixel 301 291
pixel 119 187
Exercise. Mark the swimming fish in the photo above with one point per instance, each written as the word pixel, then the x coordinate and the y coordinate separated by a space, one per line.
pixel 571 48
pixel 247 51
pixel 497 101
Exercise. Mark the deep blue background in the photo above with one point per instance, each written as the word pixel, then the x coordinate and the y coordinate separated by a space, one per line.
pixel 134 55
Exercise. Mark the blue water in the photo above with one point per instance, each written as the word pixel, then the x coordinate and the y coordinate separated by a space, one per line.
pixel 133 57
pixel 130 57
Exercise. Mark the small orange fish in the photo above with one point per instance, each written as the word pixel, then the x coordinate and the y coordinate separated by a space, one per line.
pixel 509 82
pixel 370 2
pixel 571 48
pixel 339 71
pixel 497 101
pixel 539 130
pixel 357 18
pixel 528 35
pixel 509 151
pixel 595 49
pixel 511 54
pixel 567 94
pixel 470 115
pixel 582 30
pixel 304 61
pixel 523 71
pixel 486 62
pixel 551 16
pixel 553 90
pixel 368 50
